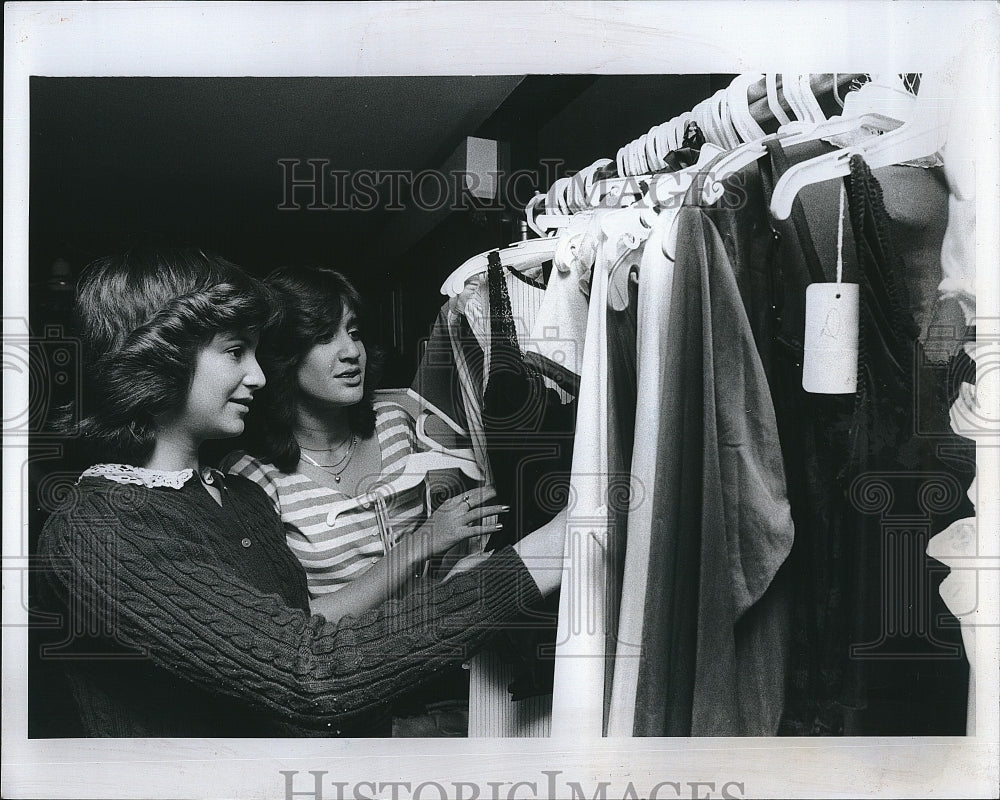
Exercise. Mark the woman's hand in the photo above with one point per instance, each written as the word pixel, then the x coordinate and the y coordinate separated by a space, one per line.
pixel 459 518
pixel 541 551
pixel 455 520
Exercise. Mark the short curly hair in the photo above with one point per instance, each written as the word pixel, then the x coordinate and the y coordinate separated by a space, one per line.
pixel 312 300
pixel 142 316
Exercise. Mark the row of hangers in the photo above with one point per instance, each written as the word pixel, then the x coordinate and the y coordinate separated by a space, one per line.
pixel 739 119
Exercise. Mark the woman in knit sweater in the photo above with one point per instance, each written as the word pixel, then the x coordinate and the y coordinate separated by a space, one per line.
pixel 187 615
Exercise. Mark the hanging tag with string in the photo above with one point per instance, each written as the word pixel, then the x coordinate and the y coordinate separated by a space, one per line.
pixel 830 360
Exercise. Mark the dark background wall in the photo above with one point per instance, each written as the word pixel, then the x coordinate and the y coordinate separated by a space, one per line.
pixel 196 160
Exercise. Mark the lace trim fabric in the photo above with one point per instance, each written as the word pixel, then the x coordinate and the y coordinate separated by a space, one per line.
pixel 140 476
pixel 888 324
pixel 502 327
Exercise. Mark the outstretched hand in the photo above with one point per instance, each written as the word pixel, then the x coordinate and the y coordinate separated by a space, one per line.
pixel 460 518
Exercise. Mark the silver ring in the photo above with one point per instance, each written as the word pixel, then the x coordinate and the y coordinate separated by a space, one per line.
pixel 466 501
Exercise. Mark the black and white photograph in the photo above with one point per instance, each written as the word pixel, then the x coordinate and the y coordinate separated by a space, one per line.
pixel 501 400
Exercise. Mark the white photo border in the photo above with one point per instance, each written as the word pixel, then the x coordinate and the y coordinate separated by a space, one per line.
pixel 466 38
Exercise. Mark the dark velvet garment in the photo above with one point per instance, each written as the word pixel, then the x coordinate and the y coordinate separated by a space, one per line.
pixel 870 476
pixel 813 433
pixel 908 655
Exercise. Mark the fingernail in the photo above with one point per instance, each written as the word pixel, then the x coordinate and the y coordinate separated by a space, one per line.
pixel 498 526
pixel 505 508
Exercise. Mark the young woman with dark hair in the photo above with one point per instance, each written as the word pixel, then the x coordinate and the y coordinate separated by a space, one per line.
pixel 327 455
pixel 186 613
pixel 323 322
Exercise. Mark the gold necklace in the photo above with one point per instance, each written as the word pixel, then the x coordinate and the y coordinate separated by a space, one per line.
pixel 328 468
pixel 333 449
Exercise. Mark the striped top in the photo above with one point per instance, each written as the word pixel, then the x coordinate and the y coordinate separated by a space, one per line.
pixel 338 537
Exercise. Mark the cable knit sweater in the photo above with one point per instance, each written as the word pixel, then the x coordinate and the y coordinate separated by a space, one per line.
pixel 187 618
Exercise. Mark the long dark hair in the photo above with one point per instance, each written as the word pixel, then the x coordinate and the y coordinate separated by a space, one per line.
pixel 142 316
pixel 313 300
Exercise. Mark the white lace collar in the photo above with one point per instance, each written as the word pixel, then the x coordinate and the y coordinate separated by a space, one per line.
pixel 150 478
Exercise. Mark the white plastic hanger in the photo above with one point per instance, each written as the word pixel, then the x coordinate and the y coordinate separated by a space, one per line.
pixel 697 116
pixel 414 472
pixel 620 162
pixel 664 136
pixel 714 121
pixel 522 256
pixel 732 162
pixel 632 160
pixel 555 198
pixel 739 107
pixel 836 126
pixel 726 127
pixel 531 212
pixel 836 91
pixel 629 191
pixel 874 106
pixel 633 225
pixel 653 159
pixel 622 190
pixel 809 98
pixel 922 136
pixel 789 133
pixel 565 197
pixel 641 159
pixel 883 94
pixel 675 132
pixel 792 89
pixel 773 103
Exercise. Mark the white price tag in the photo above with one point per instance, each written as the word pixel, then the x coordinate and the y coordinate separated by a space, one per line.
pixel 830 362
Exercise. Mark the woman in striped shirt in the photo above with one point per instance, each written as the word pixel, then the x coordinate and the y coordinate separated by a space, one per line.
pixel 333 461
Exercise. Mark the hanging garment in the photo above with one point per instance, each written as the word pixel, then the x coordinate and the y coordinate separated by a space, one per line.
pixel 529 441
pixel 582 652
pixel 961 546
pixel 559 328
pixel 638 335
pixel 651 305
pixel 812 430
pixel 531 305
pixel 715 622
pixel 469 363
pixel 529 431
pixel 437 377
pixel 887 443
pixel 841 452
pixel 623 487
pixel 508 685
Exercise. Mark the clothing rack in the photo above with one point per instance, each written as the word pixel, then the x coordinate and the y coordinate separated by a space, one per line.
pixel 647 153
pixel 827 89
